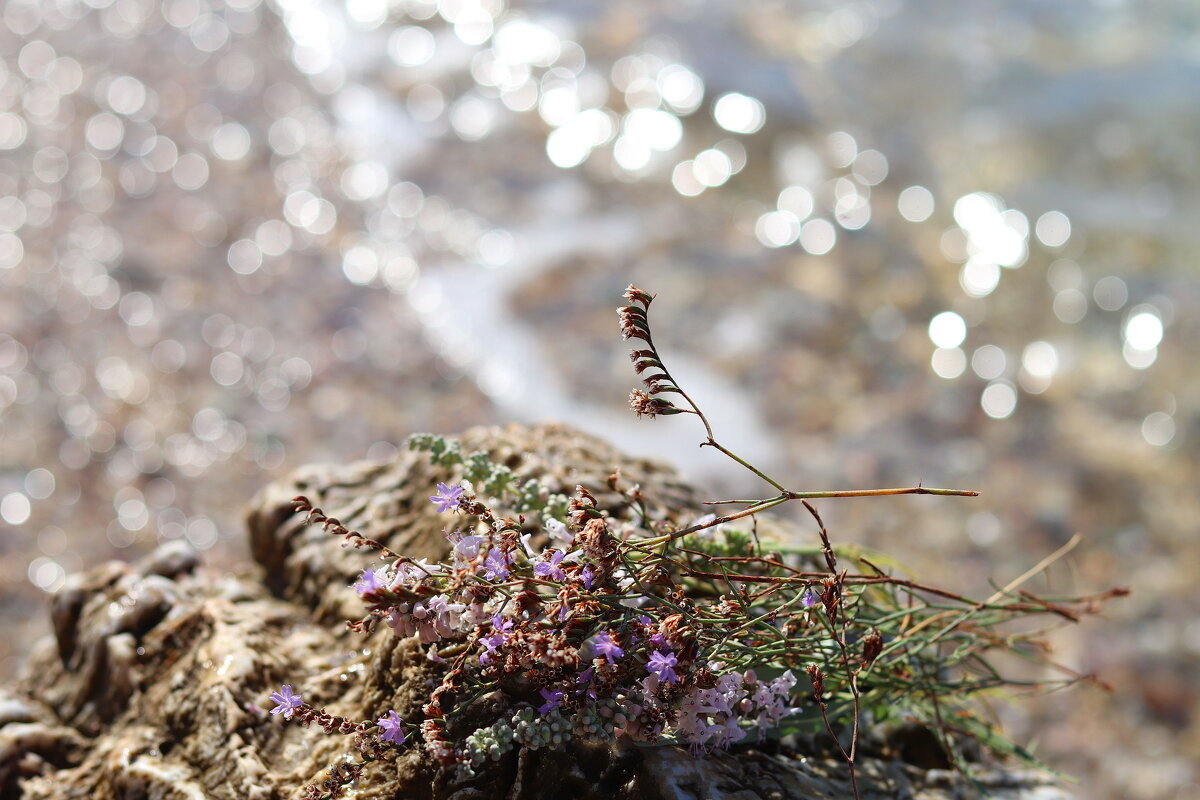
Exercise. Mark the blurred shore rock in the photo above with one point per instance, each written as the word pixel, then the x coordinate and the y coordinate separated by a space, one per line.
pixel 151 684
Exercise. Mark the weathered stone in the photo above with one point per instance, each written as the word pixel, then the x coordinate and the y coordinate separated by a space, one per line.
pixel 152 685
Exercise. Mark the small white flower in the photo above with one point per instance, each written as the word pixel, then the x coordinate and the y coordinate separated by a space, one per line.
pixel 525 537
pixel 559 530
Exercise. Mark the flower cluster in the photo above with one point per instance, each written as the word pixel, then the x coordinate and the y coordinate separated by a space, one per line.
pixel 572 625
pixel 717 717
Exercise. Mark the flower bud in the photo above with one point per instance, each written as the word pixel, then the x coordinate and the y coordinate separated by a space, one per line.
pixel 635 295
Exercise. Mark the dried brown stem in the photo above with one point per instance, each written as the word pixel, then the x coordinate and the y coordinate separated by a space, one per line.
pixel 334 527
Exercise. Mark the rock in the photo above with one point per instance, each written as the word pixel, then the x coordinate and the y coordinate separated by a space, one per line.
pixel 154 684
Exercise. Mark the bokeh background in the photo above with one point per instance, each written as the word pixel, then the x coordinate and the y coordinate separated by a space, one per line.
pixel 893 242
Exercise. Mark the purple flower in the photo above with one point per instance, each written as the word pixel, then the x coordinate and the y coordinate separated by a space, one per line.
pixel 551 568
pixel 661 665
pixel 644 619
pixel 552 698
pixel 587 576
pixel 604 646
pixel 495 566
pixel 287 703
pixel 447 497
pixel 500 629
pixel 659 642
pixel 584 679
pixel 810 598
pixel 491 643
pixel 466 548
pixel 446 614
pixel 368 582
pixel 393 728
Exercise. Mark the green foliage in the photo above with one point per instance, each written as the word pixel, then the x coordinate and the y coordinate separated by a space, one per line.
pixel 489 478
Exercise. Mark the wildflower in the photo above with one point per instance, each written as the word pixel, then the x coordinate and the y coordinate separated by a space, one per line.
pixel 492 643
pixel 604 646
pixel 447 497
pixel 420 620
pixel 552 698
pixel 726 733
pixel 633 323
pixel 551 568
pixel 810 598
pixel 587 576
pixel 646 406
pixel 500 629
pixel 287 703
pixel 368 583
pixel 393 728
pixel 466 548
pixel 475 615
pixel 559 530
pixel 635 295
pixel 495 566
pixel 440 604
pixel 769 701
pixel 525 539
pixel 661 665
pixel 446 614
pixel 584 679
pixel 415 570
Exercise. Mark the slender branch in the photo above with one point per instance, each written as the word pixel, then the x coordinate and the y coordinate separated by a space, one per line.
pixel 762 505
pixel 880 493
pixel 847 757
pixel 711 442
pixel 1012 585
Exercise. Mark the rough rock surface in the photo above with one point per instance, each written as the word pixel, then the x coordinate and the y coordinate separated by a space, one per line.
pixel 152 684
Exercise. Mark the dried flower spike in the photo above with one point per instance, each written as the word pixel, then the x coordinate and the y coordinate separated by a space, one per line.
pixel 635 295
pixel 633 323
pixel 646 406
